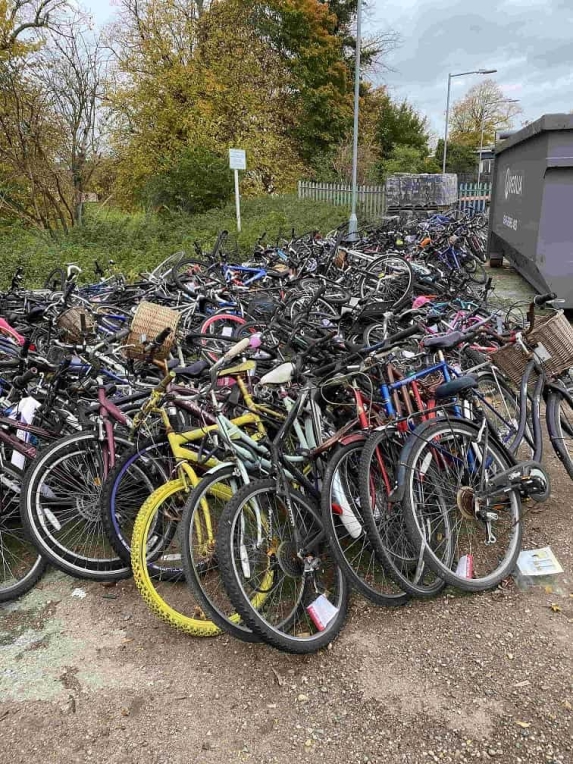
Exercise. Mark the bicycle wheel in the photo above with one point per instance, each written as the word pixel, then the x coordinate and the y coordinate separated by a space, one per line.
pixel 165 591
pixel 55 280
pixel 136 475
pixel 389 280
pixel 199 524
pixel 20 564
pixel 399 553
pixel 189 274
pixel 474 268
pixel 333 294
pixel 219 325
pixel 257 549
pixel 60 508
pixel 559 415
pixel 475 544
pixel 342 516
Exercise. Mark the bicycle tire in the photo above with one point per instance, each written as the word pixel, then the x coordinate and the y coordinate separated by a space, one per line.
pixel 182 268
pixel 429 454
pixel 70 497
pixel 55 280
pixel 559 418
pixel 474 268
pixel 227 324
pixel 247 602
pixel 148 585
pixel 350 543
pixel 384 520
pixel 214 600
pixel 403 281
pixel 131 475
pixel 21 565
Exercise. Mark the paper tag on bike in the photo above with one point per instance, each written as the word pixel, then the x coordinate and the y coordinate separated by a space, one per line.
pixel 227 331
pixel 321 611
pixel 541 353
pixel 465 567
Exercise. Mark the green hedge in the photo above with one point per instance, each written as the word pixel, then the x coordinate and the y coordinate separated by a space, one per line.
pixel 139 241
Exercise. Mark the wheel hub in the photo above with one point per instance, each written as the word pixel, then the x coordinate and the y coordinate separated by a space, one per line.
pixel 88 509
pixel 465 502
pixel 288 560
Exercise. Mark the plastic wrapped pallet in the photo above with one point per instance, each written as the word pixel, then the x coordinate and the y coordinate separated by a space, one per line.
pixel 421 191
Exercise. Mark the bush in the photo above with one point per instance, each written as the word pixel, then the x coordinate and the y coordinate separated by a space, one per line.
pixel 194 180
pixel 139 241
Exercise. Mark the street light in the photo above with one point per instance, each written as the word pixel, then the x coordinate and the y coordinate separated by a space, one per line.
pixel 353 222
pixel 490 103
pixel 450 77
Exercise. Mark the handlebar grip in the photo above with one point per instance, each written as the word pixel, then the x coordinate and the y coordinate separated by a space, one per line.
pixel 20 382
pixel 541 299
pixel 121 335
pixel 162 336
pixel 237 349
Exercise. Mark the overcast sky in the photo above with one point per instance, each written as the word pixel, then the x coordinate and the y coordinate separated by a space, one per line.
pixel 529 42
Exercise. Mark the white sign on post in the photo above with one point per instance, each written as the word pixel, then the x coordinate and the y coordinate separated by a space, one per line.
pixel 237 161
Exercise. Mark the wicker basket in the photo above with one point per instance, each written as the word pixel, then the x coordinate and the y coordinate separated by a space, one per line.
pixel 555 333
pixel 148 321
pixel 340 260
pixel 75 324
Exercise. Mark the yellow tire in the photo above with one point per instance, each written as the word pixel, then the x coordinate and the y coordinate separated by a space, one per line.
pixel 152 589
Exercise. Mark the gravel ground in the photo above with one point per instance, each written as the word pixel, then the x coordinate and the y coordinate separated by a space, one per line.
pixel 458 679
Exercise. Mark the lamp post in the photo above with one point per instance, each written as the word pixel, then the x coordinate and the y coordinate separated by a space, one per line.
pixel 450 78
pixel 353 222
pixel 491 103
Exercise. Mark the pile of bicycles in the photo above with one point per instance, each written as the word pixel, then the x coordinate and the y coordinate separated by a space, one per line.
pixel 252 440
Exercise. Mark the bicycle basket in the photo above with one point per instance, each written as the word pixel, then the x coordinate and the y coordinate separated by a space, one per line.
pixel 555 333
pixel 148 321
pixel 75 324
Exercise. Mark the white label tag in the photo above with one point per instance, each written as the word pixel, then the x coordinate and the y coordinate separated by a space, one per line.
pixel 227 331
pixel 541 353
pixel 322 611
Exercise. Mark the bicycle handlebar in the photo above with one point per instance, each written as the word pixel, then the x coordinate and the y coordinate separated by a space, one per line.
pixel 543 299
pixel 158 341
pixel 21 381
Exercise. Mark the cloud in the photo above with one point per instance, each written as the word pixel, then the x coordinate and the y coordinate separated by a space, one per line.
pixel 527 41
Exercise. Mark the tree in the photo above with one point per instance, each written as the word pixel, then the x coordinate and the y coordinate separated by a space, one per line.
pixel 399 124
pixel 408 159
pixel 482 105
pixel 270 77
pixel 49 134
pixel 73 70
pixel 461 158
pixel 22 21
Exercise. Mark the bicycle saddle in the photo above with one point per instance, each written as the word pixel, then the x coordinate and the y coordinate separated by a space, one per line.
pixel 455 387
pixel 443 342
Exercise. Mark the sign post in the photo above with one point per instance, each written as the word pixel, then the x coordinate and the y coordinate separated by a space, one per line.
pixel 237 161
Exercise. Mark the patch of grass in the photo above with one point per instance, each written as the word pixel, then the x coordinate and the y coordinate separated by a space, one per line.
pixel 139 241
